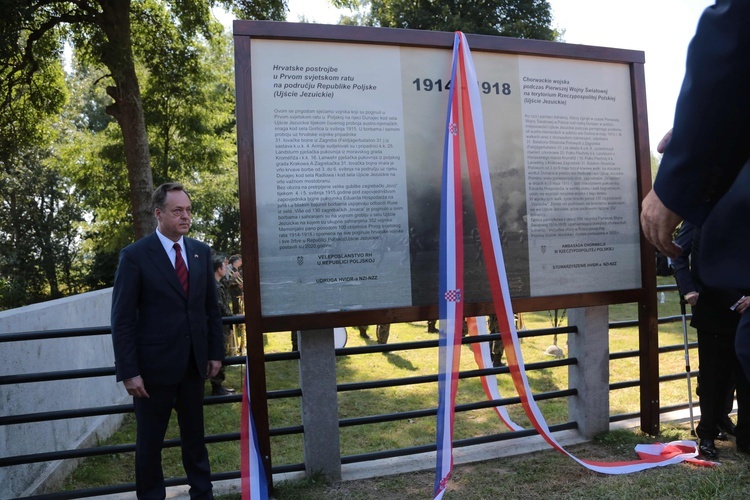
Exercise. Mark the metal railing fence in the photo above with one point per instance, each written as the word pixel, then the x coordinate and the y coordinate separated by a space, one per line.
pixel 44 416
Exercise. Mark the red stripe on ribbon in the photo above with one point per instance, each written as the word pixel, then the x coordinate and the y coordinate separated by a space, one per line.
pixel 472 128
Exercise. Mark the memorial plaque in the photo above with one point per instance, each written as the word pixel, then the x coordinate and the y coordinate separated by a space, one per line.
pixel 347 145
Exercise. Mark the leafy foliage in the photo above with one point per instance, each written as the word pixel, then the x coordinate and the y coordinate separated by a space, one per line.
pixel 512 18
pixel 38 212
pixel 151 99
pixel 189 119
pixel 119 35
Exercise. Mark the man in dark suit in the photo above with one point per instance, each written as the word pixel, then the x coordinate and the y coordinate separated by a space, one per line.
pixel 167 338
pixel 704 176
pixel 716 313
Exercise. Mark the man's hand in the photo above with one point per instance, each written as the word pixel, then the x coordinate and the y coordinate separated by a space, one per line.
pixel 213 368
pixel 658 223
pixel 663 142
pixel 691 298
pixel 135 387
pixel 744 303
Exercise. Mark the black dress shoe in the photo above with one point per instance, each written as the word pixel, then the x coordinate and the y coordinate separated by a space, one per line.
pixel 722 436
pixel 707 449
pixel 726 425
pixel 222 391
pixel 496 363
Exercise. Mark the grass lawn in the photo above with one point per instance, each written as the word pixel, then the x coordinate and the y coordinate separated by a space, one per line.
pixel 546 473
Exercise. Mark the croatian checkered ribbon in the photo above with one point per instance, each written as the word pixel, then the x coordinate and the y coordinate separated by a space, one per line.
pixel 252 476
pixel 469 125
pixel 451 280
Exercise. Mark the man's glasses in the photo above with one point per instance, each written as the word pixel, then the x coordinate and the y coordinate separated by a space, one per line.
pixel 179 212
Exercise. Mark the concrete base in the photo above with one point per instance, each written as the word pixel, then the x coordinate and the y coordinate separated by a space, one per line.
pixel 426 461
pixel 16 358
pixel 396 465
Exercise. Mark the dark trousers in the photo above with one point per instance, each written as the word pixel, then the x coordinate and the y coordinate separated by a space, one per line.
pixel 218 380
pixel 742 343
pixel 742 347
pixel 152 415
pixel 716 374
pixel 383 332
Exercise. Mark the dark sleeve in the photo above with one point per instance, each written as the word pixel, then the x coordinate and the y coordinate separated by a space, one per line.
pixel 223 294
pixel 724 299
pixel 125 296
pixel 681 264
pixel 213 313
pixel 709 145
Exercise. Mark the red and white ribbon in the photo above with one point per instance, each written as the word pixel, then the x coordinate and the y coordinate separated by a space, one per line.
pixel 469 127
pixel 253 480
pixel 451 292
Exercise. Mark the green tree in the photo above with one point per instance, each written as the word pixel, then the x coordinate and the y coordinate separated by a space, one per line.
pixel 655 161
pixel 189 115
pixel 110 32
pixel 191 126
pixel 91 155
pixel 512 18
pixel 38 212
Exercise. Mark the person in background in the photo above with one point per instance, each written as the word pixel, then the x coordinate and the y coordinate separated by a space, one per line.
pixel 167 339
pixel 382 332
pixel 715 316
pixel 704 175
pixel 234 283
pixel 220 270
pixel 363 331
pixel 497 349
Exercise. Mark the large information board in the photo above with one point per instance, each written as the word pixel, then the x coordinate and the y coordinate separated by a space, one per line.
pixel 347 147
pixel 340 133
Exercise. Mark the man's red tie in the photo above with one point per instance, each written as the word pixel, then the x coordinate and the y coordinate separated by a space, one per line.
pixel 179 266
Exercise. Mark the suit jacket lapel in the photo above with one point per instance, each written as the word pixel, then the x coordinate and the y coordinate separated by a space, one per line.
pixel 194 263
